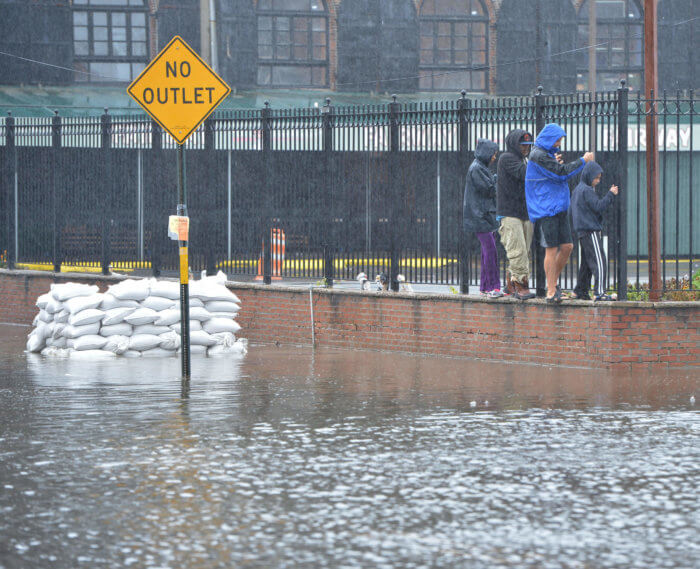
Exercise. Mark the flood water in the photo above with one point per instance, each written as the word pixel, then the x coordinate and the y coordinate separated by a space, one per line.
pixel 290 458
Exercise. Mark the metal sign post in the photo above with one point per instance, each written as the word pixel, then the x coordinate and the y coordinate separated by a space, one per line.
pixel 179 90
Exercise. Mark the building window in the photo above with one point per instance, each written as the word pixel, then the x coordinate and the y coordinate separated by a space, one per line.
pixel 292 43
pixel 620 45
pixel 110 39
pixel 453 45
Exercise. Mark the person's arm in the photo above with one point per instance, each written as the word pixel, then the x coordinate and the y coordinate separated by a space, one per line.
pixel 556 171
pixel 513 166
pixel 599 205
pixel 483 184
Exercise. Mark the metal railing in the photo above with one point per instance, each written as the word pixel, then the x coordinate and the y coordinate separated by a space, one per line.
pixel 374 188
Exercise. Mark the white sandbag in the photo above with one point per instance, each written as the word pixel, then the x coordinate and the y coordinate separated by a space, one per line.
pixel 62 316
pixel 194 326
pixel 116 315
pixel 35 342
pixel 44 316
pixel 200 314
pixel 130 290
pixel 43 300
pixel 87 316
pixel 58 328
pixel 109 302
pixel 121 329
pixel 45 329
pixel 151 329
pixel 91 355
pixel 73 332
pixel 54 352
pixel 132 354
pixel 201 338
pixel 158 353
pixel 141 342
pixel 89 342
pixel 194 303
pixel 170 340
pixel 168 317
pixel 57 342
pixel 227 315
pixel 117 344
pixel 237 348
pixel 54 306
pixel 157 303
pixel 224 339
pixel 166 289
pixel 70 342
pixel 141 316
pixel 221 325
pixel 195 350
pixel 66 291
pixel 36 319
pixel 208 291
pixel 80 303
pixel 222 306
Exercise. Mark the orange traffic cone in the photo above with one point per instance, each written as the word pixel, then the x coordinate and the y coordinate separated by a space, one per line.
pixel 277 238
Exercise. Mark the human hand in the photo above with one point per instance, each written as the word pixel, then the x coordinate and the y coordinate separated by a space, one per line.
pixel 614 190
pixel 588 157
pixel 558 158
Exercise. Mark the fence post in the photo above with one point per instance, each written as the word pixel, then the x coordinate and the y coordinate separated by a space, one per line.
pixel 622 145
pixel 210 257
pixel 56 201
pixel 266 228
pixel 156 136
pixel 106 136
pixel 395 252
pixel 209 133
pixel 540 277
pixel 330 238
pixel 11 192
pixel 463 106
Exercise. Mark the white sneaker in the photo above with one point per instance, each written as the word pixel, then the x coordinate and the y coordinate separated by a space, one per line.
pixel 496 293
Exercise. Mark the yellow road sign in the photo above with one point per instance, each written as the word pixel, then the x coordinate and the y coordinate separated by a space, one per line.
pixel 178 89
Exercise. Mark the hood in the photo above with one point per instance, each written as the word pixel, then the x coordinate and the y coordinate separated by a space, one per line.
pixel 549 135
pixel 484 150
pixel 513 141
pixel 589 172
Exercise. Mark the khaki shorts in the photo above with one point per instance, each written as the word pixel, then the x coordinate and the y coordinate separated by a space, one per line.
pixel 516 237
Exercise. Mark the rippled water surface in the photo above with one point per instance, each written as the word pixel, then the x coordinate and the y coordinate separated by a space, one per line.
pixel 338 459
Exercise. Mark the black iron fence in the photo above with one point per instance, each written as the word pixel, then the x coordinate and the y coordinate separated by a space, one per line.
pixel 369 189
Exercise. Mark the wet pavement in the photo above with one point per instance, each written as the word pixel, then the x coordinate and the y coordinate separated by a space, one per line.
pixel 291 458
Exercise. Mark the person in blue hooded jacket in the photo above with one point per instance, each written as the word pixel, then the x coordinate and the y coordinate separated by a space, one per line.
pixel 587 214
pixel 479 213
pixel 548 197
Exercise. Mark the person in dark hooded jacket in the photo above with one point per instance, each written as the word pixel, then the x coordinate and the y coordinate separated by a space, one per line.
pixel 587 215
pixel 515 228
pixel 479 213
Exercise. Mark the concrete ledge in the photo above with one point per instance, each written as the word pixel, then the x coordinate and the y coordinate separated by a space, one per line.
pixel 574 333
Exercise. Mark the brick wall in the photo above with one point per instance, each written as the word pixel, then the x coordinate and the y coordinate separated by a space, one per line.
pixel 614 335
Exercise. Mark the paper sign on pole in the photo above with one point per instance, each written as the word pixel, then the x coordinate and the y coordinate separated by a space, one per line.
pixel 178 228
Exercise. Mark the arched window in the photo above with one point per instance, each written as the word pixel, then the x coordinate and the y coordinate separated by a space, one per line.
pixel 620 45
pixel 453 45
pixel 110 39
pixel 292 43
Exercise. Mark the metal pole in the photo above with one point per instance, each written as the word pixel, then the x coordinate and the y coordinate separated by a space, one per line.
pixel 540 276
pixel 622 198
pixel 652 154
pixel 184 269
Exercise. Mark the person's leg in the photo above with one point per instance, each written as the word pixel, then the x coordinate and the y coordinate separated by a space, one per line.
pixel 528 232
pixel 484 241
pixel 562 257
pixel 489 269
pixel 514 242
pixel 583 282
pixel 550 270
pixel 565 240
pixel 600 264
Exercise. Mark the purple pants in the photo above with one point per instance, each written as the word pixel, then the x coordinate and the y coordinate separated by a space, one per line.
pixel 489 263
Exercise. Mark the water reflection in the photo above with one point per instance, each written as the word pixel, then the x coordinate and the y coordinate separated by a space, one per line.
pixel 294 458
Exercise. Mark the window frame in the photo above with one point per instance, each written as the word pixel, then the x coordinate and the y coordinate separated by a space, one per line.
pixel 85 62
pixel 275 61
pixel 628 35
pixel 470 20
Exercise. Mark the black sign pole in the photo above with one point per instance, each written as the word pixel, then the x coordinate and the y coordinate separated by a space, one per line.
pixel 184 269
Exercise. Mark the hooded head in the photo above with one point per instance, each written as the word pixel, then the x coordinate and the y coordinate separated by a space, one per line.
pixel 485 149
pixel 549 136
pixel 515 138
pixel 590 172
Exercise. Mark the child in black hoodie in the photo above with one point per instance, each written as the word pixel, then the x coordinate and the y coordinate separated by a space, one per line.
pixel 587 213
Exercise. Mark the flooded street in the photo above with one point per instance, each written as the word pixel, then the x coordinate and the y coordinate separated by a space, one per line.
pixel 293 458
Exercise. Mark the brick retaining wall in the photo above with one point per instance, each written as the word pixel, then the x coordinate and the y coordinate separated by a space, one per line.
pixel 611 335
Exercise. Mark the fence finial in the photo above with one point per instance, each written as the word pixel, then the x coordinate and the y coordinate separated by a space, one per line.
pixel 464 94
pixel 106 110
pixel 540 89
pixel 267 104
pixel 9 113
pixel 623 83
pixel 328 101
pixel 55 112
pixel 393 97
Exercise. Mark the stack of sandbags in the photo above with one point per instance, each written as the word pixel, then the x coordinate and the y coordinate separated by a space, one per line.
pixel 136 318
